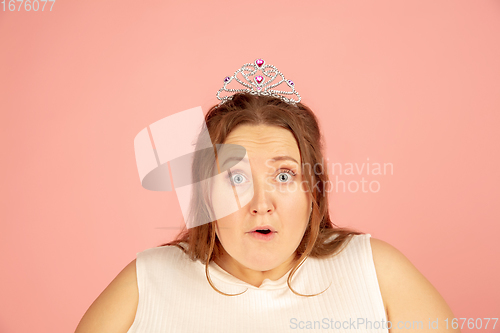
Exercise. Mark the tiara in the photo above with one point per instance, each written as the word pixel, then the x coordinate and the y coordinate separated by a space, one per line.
pixel 261 85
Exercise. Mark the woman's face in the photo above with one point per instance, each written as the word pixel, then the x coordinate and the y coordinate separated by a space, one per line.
pixel 280 202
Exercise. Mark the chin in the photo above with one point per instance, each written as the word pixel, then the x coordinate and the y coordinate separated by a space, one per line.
pixel 263 264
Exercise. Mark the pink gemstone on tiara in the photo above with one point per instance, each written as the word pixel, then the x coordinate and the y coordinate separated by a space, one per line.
pixel 259 62
pixel 259 79
pixel 227 78
pixel 259 88
pixel 291 82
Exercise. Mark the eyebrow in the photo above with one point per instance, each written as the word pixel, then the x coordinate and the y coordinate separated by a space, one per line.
pixel 275 159
pixel 281 158
pixel 236 159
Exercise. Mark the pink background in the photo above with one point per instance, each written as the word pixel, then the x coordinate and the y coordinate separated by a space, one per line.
pixel 412 83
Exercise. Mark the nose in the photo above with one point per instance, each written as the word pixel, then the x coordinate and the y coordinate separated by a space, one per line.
pixel 262 201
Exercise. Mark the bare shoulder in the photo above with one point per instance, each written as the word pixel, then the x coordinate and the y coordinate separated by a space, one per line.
pixel 115 308
pixel 408 296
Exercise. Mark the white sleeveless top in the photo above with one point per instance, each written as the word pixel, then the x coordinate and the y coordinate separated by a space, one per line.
pixel 175 296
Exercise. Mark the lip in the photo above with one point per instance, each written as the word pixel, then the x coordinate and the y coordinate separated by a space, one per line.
pixel 263 237
pixel 263 227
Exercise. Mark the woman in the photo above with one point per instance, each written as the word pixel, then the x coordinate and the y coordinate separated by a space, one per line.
pixel 278 263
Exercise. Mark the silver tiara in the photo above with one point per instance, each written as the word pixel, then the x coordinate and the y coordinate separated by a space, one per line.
pixel 261 84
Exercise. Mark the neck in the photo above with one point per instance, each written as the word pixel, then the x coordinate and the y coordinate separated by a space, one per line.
pixel 250 276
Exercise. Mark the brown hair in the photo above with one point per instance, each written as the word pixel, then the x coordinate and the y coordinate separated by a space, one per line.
pixel 244 108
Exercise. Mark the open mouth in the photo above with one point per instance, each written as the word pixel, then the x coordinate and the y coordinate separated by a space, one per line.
pixel 263 234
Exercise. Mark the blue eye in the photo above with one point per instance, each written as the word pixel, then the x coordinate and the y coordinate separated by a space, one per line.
pixel 285 175
pixel 238 178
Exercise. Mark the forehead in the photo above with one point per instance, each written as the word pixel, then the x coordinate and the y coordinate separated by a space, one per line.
pixel 264 141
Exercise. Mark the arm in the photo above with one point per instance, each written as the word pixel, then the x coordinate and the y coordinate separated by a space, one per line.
pixel 407 294
pixel 115 308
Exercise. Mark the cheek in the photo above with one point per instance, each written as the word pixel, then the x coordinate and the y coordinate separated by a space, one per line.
pixel 228 229
pixel 225 225
pixel 223 200
pixel 295 203
pixel 296 210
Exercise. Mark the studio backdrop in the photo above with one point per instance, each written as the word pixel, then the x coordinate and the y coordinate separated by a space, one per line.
pixel 406 92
